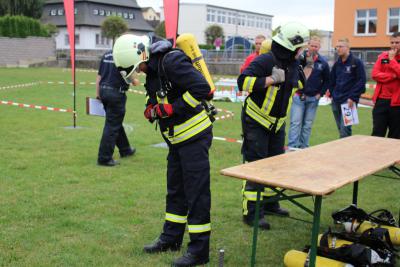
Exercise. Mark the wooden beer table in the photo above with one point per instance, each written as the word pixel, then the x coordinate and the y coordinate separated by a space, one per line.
pixel 318 171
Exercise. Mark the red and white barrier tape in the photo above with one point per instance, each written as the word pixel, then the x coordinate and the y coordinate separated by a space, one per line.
pixel 19 85
pixel 62 83
pixel 11 103
pixel 230 140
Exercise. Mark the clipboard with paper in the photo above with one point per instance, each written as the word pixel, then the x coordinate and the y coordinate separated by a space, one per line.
pixel 94 107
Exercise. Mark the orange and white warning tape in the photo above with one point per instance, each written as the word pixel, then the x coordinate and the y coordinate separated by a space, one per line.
pixel 19 85
pixel 11 103
pixel 140 92
pixel 230 140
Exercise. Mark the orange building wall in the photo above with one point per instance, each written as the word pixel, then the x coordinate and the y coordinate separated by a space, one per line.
pixel 344 22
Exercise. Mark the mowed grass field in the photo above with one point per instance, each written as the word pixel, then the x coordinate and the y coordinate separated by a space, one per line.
pixel 58 208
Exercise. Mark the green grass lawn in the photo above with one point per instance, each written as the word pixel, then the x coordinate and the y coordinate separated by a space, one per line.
pixel 58 208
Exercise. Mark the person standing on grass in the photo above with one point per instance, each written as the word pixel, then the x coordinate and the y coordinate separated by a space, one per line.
pixel 386 72
pixel 270 80
pixel 175 91
pixel 347 83
pixel 305 101
pixel 110 90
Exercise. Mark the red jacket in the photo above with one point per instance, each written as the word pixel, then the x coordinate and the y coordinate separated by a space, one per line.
pixel 247 61
pixel 387 74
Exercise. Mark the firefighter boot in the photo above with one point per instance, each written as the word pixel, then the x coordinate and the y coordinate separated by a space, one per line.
pixel 188 260
pixel 262 223
pixel 161 246
pixel 275 209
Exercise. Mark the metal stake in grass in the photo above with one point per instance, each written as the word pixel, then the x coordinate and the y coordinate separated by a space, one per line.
pixel 221 257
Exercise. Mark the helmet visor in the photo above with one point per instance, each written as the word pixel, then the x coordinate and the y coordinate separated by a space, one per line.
pixel 129 74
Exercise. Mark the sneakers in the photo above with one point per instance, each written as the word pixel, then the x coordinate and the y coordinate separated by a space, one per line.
pixel 262 223
pixel 161 246
pixel 110 163
pixel 189 260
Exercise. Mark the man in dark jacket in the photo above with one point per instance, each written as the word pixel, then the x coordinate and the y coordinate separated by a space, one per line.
pixel 175 91
pixel 110 89
pixel 305 102
pixel 271 80
pixel 347 83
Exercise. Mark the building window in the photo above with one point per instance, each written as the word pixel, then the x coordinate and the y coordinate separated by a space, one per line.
pixel 125 15
pixel 95 11
pixel 131 16
pixel 77 39
pixel 53 12
pixel 393 20
pixel 60 12
pixel 108 13
pixel 101 40
pixel 210 15
pixel 366 22
pixel 119 14
pixel 102 12
pixel 75 11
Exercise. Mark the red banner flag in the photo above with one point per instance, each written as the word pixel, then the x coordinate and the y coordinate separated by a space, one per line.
pixel 70 19
pixel 171 14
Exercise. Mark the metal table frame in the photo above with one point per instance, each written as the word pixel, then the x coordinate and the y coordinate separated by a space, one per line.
pixel 316 216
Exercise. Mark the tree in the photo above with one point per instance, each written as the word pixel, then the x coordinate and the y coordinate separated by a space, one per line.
pixel 213 32
pixel 160 29
pixel 113 26
pixel 28 8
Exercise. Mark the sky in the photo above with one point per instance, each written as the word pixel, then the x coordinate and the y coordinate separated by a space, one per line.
pixel 315 14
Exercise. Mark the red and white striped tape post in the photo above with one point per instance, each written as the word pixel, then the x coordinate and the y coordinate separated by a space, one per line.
pixel 11 103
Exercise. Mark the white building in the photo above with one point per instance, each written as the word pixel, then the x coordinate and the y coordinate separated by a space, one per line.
pixel 195 18
pixel 89 15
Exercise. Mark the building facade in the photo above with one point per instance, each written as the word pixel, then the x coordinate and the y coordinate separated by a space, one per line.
pixel 195 18
pixel 151 16
pixel 367 24
pixel 89 15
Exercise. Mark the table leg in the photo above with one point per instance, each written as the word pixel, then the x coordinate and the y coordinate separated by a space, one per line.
pixel 355 192
pixel 255 228
pixel 315 230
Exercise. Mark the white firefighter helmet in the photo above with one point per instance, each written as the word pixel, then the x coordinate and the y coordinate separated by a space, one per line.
pixel 128 52
pixel 292 35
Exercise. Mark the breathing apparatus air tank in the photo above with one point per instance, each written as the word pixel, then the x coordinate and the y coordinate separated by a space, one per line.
pixel 295 258
pixel 394 232
pixel 188 44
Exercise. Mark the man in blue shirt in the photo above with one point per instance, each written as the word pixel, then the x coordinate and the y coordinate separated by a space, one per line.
pixel 347 83
pixel 305 101
pixel 110 89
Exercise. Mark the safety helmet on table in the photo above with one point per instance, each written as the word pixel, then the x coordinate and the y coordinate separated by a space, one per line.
pixel 292 35
pixel 128 52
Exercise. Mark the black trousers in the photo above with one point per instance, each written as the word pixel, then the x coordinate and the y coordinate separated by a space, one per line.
pixel 113 131
pixel 189 196
pixel 385 119
pixel 259 143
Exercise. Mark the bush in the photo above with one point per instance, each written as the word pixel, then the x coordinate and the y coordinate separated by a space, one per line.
pixel 21 26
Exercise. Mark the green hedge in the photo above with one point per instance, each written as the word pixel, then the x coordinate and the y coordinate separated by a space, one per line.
pixel 21 26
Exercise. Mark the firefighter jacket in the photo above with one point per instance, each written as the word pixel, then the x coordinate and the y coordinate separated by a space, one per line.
pixel 172 71
pixel 269 106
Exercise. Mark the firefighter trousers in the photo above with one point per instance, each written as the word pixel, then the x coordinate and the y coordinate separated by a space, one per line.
pixel 259 143
pixel 189 198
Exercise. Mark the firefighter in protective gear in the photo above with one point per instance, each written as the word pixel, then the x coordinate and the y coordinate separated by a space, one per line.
pixel 271 80
pixel 175 90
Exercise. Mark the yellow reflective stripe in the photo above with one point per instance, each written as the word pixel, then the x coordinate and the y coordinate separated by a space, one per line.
pixel 175 218
pixel 248 84
pixel 163 100
pixel 188 98
pixel 269 99
pixel 251 195
pixel 189 128
pixel 199 228
pixel 264 119
pixel 301 86
pixel 244 204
